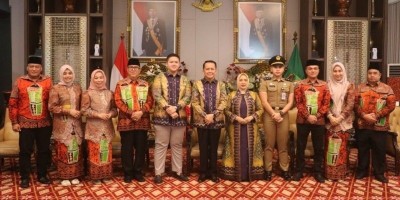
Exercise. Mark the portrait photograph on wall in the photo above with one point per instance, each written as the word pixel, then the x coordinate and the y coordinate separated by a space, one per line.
pixel 259 32
pixel 153 29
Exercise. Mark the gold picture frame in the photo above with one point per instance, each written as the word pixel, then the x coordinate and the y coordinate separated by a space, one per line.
pixel 259 30
pixel 154 29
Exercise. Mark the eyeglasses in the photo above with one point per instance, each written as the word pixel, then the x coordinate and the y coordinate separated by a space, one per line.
pixel 134 68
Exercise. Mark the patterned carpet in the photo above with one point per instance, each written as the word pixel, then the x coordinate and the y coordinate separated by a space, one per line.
pixel 174 189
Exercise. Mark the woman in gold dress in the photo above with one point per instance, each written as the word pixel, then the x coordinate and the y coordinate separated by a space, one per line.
pixel 99 107
pixel 64 103
pixel 243 153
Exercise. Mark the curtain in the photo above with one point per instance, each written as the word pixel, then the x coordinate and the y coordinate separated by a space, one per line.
pixel 393 51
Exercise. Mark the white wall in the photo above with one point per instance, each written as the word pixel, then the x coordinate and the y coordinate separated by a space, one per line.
pixel 17 37
pixel 205 35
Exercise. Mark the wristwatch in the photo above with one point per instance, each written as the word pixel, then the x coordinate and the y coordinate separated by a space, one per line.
pixel 281 113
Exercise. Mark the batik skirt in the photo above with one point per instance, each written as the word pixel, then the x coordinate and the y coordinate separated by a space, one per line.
pixel 98 169
pixel 336 155
pixel 68 167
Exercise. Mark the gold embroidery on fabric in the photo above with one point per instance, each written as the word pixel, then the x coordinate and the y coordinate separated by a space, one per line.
pixel 35 100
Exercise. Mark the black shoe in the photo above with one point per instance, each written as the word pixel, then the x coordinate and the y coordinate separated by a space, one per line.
pixel 381 178
pixel 298 176
pixel 202 178
pixel 286 176
pixel 127 179
pixel 268 175
pixel 181 176
pixel 360 175
pixel 319 178
pixel 24 183
pixel 158 179
pixel 140 178
pixel 214 178
pixel 44 180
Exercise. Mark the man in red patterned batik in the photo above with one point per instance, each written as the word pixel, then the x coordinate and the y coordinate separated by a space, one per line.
pixel 312 101
pixel 30 117
pixel 134 101
pixel 374 102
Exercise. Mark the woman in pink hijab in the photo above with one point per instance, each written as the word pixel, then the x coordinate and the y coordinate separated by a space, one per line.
pixel 340 121
pixel 98 106
pixel 64 103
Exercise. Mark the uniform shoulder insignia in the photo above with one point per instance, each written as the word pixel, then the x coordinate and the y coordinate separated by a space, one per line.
pixel 268 78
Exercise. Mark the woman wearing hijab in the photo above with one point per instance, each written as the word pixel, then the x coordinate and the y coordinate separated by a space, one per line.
pixel 98 106
pixel 67 132
pixel 243 153
pixel 341 119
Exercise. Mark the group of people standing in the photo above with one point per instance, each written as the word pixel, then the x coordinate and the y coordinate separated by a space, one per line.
pixel 32 100
pixel 324 109
pixel 329 110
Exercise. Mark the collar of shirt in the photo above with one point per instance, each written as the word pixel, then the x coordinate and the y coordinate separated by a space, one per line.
pixel 171 75
pixel 315 82
pixel 279 80
pixel 127 81
pixel 134 81
pixel 41 77
pixel 373 85
pixel 207 81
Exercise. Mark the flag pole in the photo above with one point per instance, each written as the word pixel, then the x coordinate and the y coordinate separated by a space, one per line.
pixel 122 38
pixel 294 37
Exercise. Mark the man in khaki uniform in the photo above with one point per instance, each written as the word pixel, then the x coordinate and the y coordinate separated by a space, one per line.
pixel 277 96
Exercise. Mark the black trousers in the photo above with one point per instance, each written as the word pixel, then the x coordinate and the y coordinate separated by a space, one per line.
pixel 318 141
pixel 27 137
pixel 133 165
pixel 374 141
pixel 208 145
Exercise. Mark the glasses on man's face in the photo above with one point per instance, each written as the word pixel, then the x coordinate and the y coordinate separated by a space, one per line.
pixel 134 68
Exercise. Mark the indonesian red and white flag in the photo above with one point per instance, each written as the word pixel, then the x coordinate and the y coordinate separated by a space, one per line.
pixel 119 70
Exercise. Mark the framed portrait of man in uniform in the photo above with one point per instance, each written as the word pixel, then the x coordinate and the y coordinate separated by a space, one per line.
pixel 259 29
pixel 153 27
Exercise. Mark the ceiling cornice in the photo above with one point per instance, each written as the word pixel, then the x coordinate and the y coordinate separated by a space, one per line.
pixel 393 1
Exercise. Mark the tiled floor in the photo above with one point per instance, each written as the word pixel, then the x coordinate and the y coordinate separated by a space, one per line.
pixel 174 189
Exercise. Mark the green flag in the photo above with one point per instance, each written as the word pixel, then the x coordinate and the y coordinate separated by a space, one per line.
pixel 295 67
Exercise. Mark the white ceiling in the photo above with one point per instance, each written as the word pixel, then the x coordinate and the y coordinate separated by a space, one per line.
pixel 393 1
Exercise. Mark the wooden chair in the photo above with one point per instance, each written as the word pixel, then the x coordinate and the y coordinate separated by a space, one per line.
pixel 9 140
pixel 116 143
pixel 308 152
pixel 393 142
pixel 193 149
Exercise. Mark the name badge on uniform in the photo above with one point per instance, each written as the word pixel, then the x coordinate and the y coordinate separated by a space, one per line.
pixel 283 94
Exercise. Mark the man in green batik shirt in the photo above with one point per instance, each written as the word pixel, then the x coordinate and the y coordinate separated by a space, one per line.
pixel 312 102
pixel 134 101
pixel 373 104
pixel 29 115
